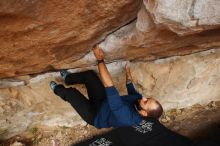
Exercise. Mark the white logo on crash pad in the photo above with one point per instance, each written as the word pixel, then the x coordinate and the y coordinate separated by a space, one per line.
pixel 101 142
pixel 144 126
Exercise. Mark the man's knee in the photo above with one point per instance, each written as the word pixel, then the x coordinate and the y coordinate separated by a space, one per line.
pixel 90 73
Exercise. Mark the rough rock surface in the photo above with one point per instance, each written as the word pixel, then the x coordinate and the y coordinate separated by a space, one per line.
pixel 181 81
pixel 43 35
pixel 40 35
pixel 163 29
pixel 177 82
pixel 185 16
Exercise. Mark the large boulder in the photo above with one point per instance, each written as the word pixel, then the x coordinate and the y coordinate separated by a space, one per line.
pixel 40 35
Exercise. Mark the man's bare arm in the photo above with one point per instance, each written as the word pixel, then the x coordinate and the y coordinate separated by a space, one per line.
pixel 105 75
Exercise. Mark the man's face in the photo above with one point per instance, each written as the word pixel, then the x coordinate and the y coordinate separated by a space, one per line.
pixel 147 103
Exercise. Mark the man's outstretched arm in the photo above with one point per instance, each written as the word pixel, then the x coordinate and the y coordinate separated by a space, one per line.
pixel 105 75
pixel 120 110
pixel 130 87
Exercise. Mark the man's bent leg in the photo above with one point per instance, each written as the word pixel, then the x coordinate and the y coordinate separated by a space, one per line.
pixel 78 101
pixel 94 86
pixel 74 78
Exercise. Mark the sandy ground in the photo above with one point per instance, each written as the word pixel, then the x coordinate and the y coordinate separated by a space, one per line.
pixel 197 122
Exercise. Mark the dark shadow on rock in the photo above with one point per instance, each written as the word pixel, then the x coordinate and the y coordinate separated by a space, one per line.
pixel 207 134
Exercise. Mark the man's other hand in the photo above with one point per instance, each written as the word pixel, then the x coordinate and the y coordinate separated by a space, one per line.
pixel 128 72
pixel 98 52
pixel 104 73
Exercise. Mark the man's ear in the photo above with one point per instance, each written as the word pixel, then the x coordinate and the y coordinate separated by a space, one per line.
pixel 144 99
pixel 143 113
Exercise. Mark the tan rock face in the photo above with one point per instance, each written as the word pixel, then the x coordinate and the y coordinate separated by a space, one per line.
pixel 185 16
pixel 180 81
pixel 35 35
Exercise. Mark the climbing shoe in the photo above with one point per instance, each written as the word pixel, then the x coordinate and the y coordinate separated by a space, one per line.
pixel 53 85
pixel 64 73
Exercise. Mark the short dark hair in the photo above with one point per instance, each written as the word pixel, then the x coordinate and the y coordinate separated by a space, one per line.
pixel 157 112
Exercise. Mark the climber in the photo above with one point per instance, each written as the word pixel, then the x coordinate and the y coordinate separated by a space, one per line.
pixel 105 107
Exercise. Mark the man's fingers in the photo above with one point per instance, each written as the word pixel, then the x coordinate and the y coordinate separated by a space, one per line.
pixel 96 49
pixel 99 54
pixel 127 66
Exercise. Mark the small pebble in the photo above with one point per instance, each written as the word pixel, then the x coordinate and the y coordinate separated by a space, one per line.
pixel 167 118
pixel 17 144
